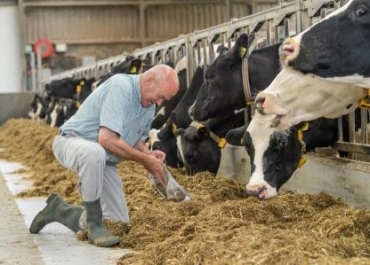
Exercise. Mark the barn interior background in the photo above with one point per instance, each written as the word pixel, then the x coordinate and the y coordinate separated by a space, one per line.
pixel 71 33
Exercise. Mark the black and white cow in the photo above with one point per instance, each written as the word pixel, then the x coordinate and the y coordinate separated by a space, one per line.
pixel 275 156
pixel 60 110
pixel 325 70
pixel 130 65
pixel 200 146
pixel 336 48
pixel 38 107
pixel 316 98
pixel 222 91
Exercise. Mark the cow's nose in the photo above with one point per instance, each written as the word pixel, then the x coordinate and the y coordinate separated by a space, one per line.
pixel 267 104
pixel 256 191
pixel 288 50
pixel 258 102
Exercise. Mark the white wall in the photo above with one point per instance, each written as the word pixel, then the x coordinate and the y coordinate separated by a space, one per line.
pixel 10 50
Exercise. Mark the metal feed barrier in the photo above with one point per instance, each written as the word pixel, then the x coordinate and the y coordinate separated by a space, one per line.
pixel 272 26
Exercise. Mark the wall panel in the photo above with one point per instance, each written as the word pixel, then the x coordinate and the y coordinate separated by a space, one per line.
pixel 110 27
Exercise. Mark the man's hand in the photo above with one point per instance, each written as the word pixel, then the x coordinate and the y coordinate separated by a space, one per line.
pixel 155 167
pixel 158 154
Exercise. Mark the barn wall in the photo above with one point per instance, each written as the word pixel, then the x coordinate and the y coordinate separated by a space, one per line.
pixel 14 105
pixel 107 28
pixel 10 50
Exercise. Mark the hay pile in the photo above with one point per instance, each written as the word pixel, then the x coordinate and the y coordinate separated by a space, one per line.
pixel 218 226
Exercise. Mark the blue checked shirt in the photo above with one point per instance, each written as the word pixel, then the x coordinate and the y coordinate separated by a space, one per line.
pixel 115 104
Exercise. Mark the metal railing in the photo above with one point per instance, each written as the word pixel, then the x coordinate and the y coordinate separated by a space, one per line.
pixel 284 20
pixel 287 19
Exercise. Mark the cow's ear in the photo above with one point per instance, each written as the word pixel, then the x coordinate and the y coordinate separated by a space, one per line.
pixel 241 46
pixel 235 137
pixel 202 132
pixel 180 131
pixel 135 66
pixel 222 49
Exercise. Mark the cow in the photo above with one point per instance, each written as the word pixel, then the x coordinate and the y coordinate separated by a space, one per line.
pixel 130 65
pixel 222 91
pixel 38 107
pixel 62 88
pixel 326 69
pixel 335 48
pixel 274 155
pixel 200 145
pixel 60 110
pixel 84 89
pixel 318 98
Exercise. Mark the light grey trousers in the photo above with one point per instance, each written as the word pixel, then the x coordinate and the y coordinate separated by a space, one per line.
pixel 96 178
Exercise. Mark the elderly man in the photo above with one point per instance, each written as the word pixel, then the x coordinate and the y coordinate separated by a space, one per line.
pixel 110 126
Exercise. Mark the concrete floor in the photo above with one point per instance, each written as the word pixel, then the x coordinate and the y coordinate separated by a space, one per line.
pixel 55 244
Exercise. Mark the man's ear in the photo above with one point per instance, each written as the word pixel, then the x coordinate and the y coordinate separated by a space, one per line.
pixel 150 82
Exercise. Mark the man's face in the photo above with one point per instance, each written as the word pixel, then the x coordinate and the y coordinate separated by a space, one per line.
pixel 159 92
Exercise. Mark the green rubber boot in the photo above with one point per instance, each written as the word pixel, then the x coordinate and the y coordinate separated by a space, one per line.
pixel 97 233
pixel 57 210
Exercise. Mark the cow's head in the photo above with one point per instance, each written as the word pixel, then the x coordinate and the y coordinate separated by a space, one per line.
pixel 130 65
pixel 335 48
pixel 275 155
pixel 199 152
pixel 38 108
pixel 294 97
pixel 200 145
pixel 222 89
pixel 164 140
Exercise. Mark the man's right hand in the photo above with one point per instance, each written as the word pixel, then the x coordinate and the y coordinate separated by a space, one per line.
pixel 155 167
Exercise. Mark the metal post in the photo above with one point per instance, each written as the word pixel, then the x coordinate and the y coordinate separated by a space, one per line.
pixel 142 28
pixel 22 35
pixel 39 62
pixel 228 10
pixel 33 71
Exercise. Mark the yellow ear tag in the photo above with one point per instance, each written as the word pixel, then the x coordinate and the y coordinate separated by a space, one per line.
pixel 82 83
pixel 363 104
pixel 78 104
pixel 302 161
pixel 78 89
pixel 174 128
pixel 242 51
pixel 300 135
pixel 133 70
pixel 199 126
pixel 222 143
pixel 305 126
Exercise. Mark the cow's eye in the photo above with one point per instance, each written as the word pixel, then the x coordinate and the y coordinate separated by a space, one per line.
pixel 210 76
pixel 282 143
pixel 360 12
